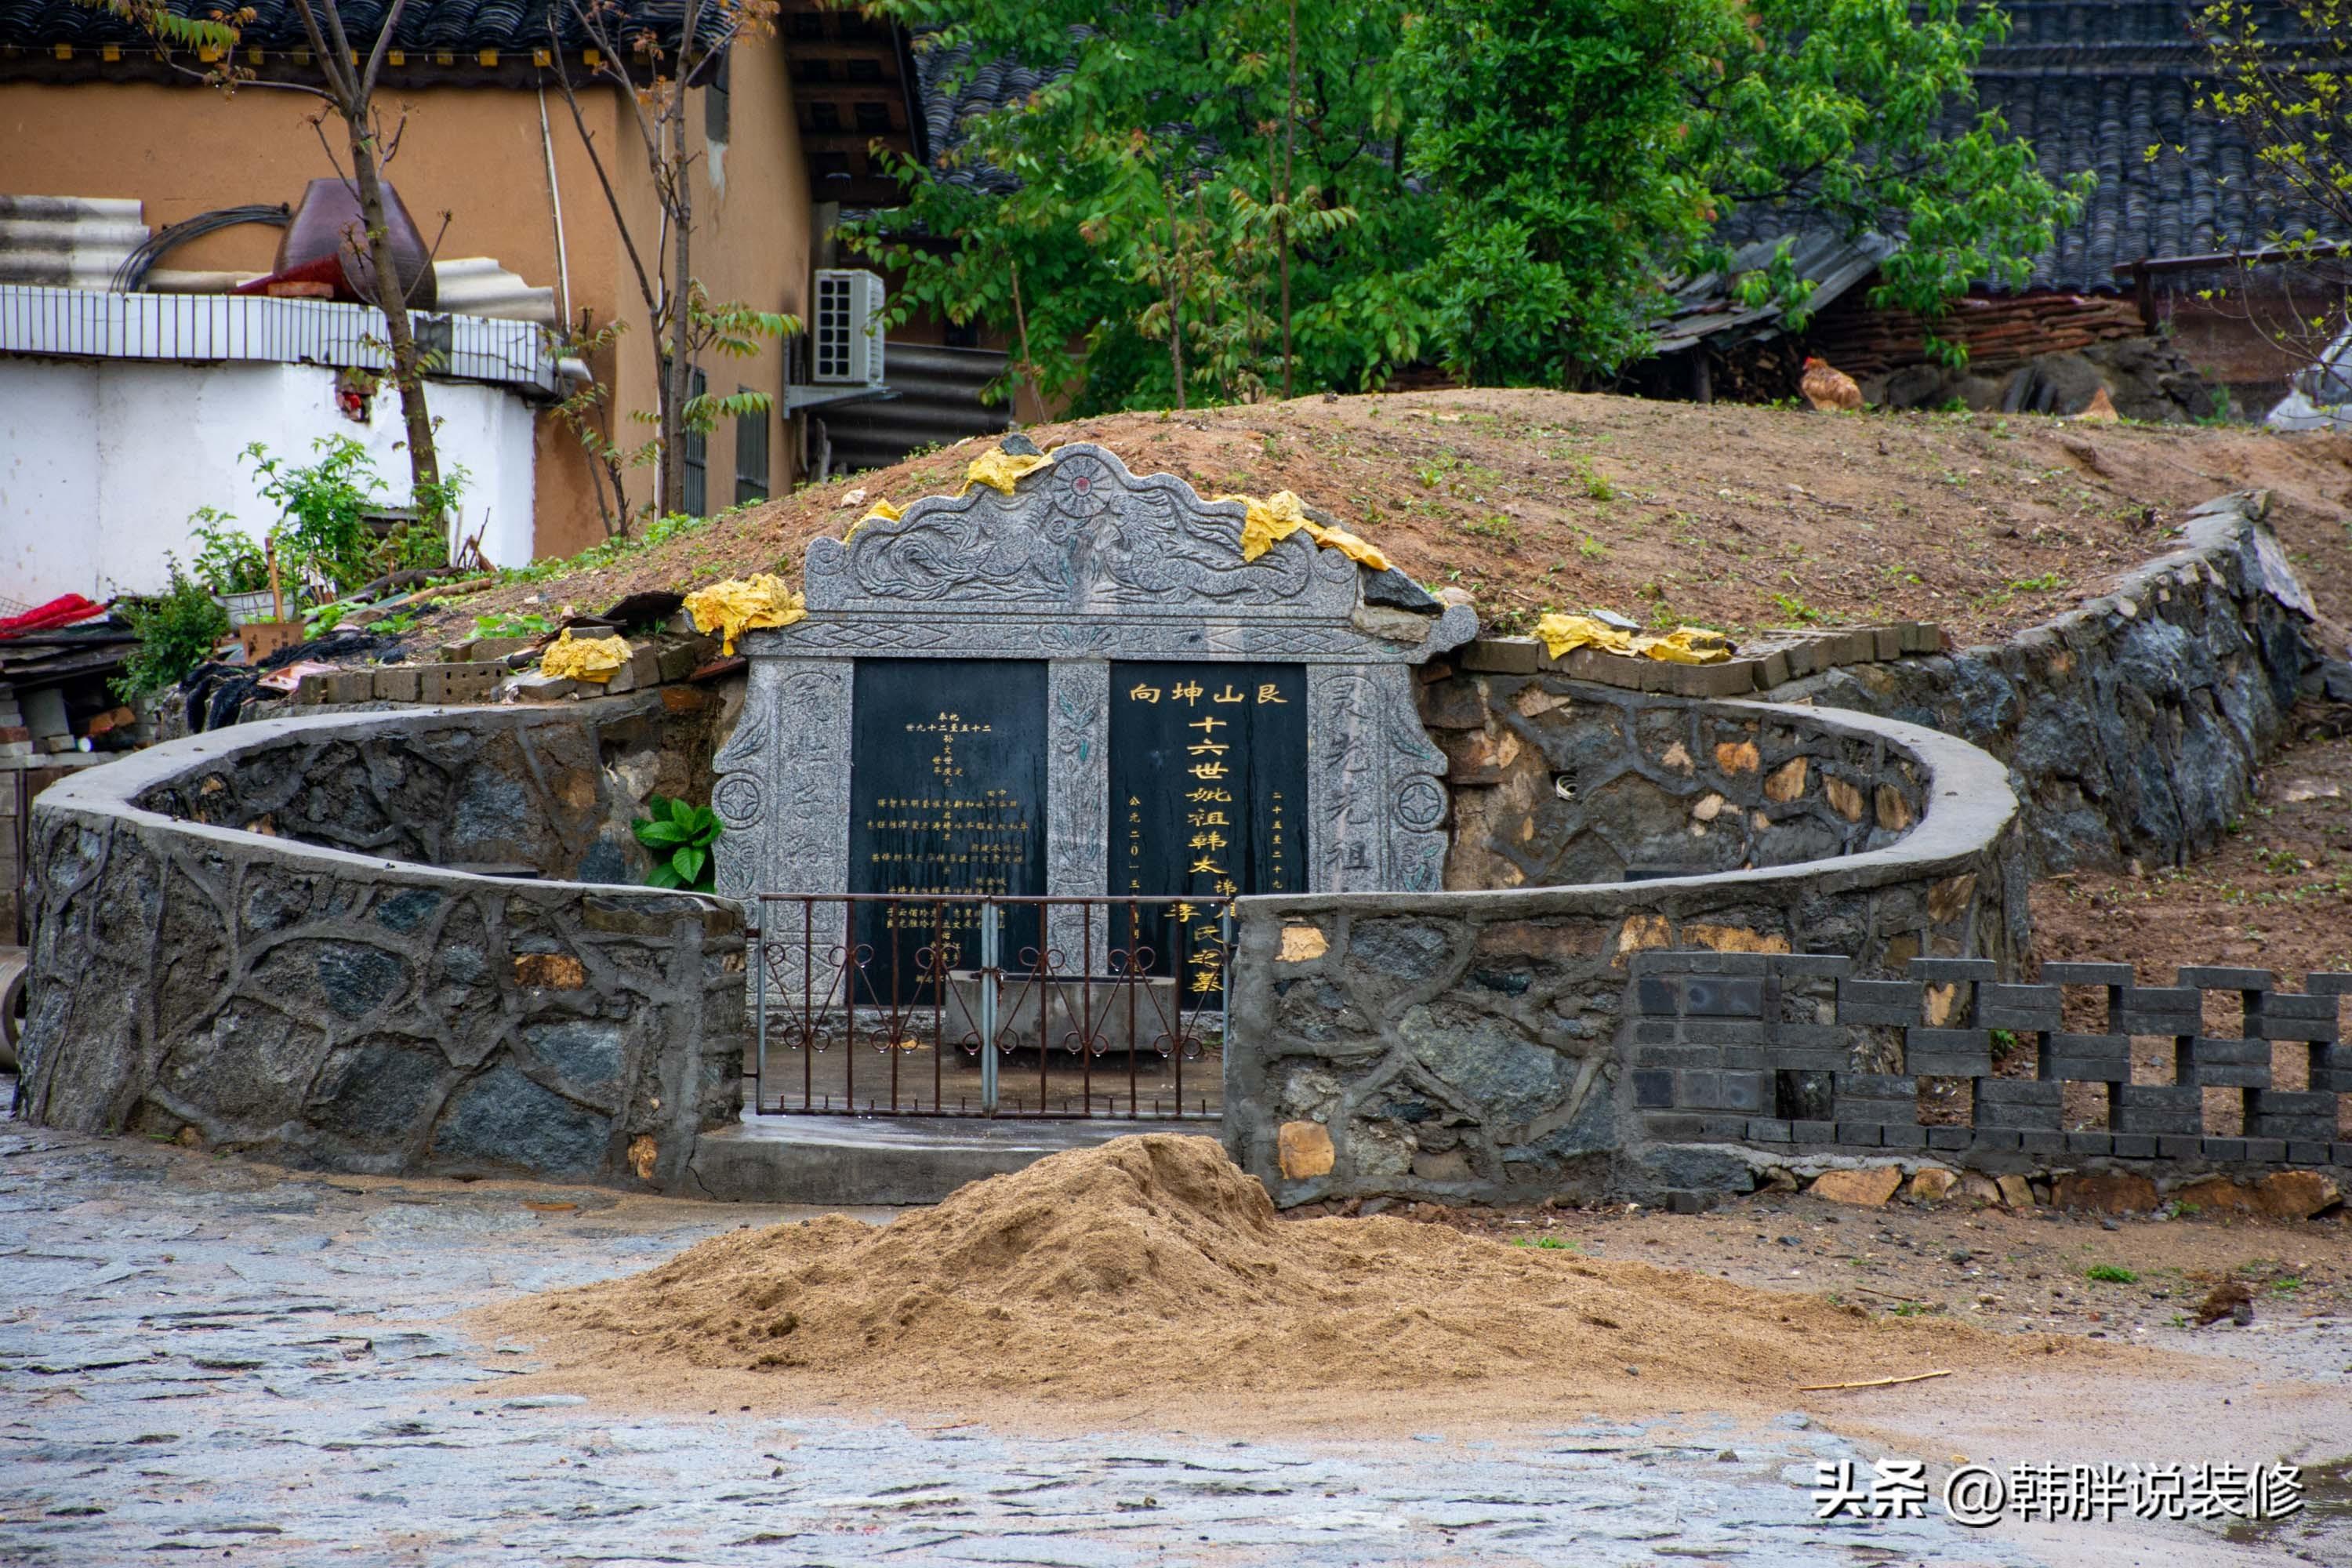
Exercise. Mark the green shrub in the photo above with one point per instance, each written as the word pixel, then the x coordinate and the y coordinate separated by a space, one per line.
pixel 176 631
pixel 2110 1273
pixel 680 836
pixel 323 527
pixel 227 559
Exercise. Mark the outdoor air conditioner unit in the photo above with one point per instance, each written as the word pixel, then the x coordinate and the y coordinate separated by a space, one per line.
pixel 847 342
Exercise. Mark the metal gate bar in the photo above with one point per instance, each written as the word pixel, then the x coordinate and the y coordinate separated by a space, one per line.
pixel 822 993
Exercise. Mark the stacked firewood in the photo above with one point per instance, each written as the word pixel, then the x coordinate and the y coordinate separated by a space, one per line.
pixel 2000 331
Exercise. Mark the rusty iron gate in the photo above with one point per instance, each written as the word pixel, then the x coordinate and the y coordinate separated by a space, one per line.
pixel 971 1005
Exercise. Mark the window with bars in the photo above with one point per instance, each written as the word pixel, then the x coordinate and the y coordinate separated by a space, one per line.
pixel 750 455
pixel 696 453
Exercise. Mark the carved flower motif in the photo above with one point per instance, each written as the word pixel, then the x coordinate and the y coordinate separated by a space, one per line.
pixel 1082 488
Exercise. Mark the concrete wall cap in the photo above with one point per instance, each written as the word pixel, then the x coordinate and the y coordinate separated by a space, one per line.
pixel 112 791
pixel 1970 805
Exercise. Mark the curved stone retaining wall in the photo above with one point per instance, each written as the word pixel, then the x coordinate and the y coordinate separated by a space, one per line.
pixel 1594 784
pixel 1463 1046
pixel 238 940
pixel 2133 725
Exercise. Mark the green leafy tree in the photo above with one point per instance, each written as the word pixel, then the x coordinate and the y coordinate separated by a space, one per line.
pixel 1168 181
pixel 2279 76
pixel 680 836
pixel 1846 108
pixel 1224 195
pixel 1586 150
pixel 1557 132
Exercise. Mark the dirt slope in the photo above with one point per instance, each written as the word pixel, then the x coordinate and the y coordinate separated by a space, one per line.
pixel 1730 515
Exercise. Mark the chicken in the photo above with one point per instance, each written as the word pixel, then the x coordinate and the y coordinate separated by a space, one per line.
pixel 1828 389
pixel 2100 410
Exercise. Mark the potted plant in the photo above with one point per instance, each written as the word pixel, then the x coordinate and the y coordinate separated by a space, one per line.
pixel 232 565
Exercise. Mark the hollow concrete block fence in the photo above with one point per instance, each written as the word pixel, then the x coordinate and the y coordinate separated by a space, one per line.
pixel 238 940
pixel 1798 1055
pixel 1466 1046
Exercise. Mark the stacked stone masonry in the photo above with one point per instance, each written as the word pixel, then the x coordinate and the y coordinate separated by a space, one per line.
pixel 1560 783
pixel 257 940
pixel 2132 726
pixel 1465 1046
pixel 2135 724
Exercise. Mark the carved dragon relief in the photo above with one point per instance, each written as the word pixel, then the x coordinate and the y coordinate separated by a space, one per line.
pixel 1081 535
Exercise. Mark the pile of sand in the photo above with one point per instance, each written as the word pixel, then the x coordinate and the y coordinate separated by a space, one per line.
pixel 1153 1265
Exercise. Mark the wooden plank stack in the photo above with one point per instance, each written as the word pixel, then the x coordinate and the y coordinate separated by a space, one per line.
pixel 2001 331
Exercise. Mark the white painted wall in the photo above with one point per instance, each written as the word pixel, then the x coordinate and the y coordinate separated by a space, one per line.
pixel 101 462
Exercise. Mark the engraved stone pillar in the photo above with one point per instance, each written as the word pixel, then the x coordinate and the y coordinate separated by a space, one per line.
pixel 1379 812
pixel 1077 797
pixel 782 797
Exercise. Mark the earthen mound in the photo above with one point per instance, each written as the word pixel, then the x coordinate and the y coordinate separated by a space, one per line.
pixel 1152 1264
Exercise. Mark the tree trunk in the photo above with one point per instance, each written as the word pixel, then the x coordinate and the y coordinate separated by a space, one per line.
pixel 1282 238
pixel 423 462
pixel 679 381
pixel 1176 283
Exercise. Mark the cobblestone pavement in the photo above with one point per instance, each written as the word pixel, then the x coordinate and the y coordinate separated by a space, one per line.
pixel 199 1355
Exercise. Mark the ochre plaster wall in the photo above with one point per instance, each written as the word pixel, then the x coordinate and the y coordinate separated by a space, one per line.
pixel 476 153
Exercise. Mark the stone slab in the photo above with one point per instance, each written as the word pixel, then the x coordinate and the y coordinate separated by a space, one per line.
pixel 843 1160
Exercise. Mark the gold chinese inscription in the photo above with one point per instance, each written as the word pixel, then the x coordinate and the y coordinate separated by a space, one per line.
pixel 1205 809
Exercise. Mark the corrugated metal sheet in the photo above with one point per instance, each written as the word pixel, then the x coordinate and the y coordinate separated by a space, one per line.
pixel 938 403
pixel 81 323
pixel 478 285
pixel 1705 311
pixel 472 285
pixel 67 242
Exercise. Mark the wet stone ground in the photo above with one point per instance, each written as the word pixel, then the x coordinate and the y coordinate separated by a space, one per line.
pixel 202 1357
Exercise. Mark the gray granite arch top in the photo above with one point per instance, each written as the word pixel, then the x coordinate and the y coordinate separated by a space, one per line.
pixel 1081 564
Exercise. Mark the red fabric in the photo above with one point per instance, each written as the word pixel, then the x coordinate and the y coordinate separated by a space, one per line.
pixel 63 612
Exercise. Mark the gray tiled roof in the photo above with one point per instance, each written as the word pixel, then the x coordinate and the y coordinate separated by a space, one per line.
pixel 425 26
pixel 953 89
pixel 2093 84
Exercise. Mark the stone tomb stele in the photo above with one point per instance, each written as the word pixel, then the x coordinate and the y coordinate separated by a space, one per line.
pixel 957 661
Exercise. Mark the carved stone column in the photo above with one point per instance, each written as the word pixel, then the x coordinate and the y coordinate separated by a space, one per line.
pixel 1077 796
pixel 782 797
pixel 1378 809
